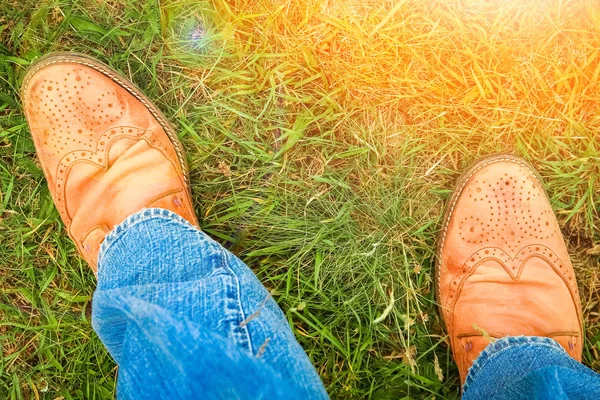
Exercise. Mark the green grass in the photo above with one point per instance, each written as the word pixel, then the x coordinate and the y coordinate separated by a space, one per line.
pixel 323 139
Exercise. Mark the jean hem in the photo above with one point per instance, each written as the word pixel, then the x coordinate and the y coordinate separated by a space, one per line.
pixel 143 215
pixel 501 345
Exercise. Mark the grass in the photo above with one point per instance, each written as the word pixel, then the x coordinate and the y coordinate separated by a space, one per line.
pixel 323 138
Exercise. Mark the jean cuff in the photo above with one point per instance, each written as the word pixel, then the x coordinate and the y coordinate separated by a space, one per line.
pixel 497 347
pixel 143 215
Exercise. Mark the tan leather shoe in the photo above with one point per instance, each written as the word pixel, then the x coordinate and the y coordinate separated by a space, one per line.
pixel 502 264
pixel 106 150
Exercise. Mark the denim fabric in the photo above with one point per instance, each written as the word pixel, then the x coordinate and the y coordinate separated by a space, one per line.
pixel 186 319
pixel 529 368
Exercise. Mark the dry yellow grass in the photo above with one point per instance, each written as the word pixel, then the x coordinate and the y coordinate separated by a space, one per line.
pixel 497 67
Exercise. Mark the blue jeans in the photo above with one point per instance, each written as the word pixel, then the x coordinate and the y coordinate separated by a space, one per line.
pixel 186 319
pixel 529 368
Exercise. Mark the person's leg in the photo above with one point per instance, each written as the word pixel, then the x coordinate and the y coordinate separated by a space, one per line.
pixel 521 367
pixel 503 270
pixel 184 317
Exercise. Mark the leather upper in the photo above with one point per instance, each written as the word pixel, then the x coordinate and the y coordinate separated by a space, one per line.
pixel 105 150
pixel 503 266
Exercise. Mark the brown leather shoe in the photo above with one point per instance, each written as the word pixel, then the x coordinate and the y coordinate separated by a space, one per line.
pixel 106 150
pixel 502 264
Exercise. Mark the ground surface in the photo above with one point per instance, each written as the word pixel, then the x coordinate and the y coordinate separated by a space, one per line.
pixel 323 137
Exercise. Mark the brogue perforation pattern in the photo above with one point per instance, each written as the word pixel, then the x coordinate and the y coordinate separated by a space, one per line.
pixel 486 230
pixel 106 109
